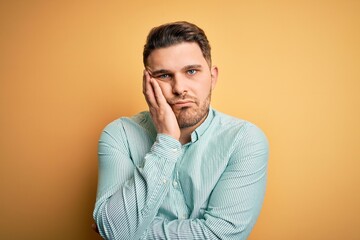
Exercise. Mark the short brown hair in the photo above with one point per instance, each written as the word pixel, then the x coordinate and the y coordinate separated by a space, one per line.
pixel 174 33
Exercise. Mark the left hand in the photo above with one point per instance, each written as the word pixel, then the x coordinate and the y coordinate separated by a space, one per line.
pixel 95 228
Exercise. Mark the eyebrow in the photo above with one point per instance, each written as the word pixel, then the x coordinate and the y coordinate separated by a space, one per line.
pixel 192 66
pixel 157 72
pixel 164 71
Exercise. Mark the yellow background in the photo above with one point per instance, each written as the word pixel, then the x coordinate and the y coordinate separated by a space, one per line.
pixel 68 68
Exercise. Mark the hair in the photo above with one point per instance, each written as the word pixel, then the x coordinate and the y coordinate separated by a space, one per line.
pixel 170 34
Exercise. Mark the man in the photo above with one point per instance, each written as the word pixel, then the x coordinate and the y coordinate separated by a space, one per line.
pixel 182 170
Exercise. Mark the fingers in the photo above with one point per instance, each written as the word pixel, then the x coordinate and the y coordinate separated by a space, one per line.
pixel 152 91
pixel 161 113
pixel 146 76
pixel 159 96
pixel 148 90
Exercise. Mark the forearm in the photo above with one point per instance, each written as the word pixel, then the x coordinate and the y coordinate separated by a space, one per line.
pixel 128 211
pixel 233 223
pixel 234 204
pixel 179 229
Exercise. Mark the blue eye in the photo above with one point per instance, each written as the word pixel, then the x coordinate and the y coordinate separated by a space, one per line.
pixel 164 76
pixel 191 71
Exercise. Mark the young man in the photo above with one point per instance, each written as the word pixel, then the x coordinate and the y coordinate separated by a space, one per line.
pixel 182 170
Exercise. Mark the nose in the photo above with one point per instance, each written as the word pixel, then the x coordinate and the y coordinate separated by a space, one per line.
pixel 179 85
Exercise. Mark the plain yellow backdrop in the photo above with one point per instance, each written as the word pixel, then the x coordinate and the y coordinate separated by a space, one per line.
pixel 68 68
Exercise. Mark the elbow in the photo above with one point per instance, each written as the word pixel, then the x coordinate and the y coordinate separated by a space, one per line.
pixel 103 222
pixel 109 224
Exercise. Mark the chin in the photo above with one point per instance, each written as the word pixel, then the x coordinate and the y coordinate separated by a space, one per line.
pixel 187 118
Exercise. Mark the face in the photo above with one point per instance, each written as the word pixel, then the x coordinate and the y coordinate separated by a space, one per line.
pixel 186 81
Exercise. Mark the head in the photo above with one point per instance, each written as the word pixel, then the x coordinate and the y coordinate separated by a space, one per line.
pixel 174 33
pixel 178 56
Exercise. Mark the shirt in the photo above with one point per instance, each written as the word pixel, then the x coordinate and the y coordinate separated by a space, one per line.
pixel 152 187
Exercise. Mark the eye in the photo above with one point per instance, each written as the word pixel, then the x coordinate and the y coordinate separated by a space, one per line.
pixel 192 72
pixel 164 76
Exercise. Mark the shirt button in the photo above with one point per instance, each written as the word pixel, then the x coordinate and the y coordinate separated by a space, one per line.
pixel 164 181
pixel 174 150
pixel 175 184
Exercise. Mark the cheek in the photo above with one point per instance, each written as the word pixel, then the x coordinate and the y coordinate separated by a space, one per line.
pixel 203 90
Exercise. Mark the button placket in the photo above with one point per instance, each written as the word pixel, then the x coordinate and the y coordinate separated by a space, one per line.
pixel 164 181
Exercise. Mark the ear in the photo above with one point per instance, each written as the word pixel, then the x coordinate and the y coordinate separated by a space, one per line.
pixel 214 76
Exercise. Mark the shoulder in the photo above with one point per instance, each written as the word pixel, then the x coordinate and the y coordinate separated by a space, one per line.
pixel 241 131
pixel 139 120
pixel 232 123
pixel 125 127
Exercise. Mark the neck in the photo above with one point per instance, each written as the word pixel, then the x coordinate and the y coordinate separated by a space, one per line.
pixel 185 135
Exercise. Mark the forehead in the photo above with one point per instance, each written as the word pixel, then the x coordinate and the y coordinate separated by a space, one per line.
pixel 176 56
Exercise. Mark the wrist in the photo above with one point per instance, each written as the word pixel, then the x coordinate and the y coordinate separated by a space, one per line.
pixel 166 146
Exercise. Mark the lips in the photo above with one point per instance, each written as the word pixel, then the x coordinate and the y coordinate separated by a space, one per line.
pixel 183 103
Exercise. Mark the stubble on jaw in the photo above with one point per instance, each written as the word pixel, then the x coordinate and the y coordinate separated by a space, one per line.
pixel 189 117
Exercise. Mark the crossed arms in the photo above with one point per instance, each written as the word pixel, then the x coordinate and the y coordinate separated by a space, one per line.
pixel 131 194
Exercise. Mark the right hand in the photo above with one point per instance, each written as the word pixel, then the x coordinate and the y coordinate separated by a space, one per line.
pixel 161 112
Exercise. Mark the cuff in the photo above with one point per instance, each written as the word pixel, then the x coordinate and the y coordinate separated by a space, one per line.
pixel 166 147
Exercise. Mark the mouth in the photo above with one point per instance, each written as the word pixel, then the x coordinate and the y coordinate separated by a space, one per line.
pixel 182 104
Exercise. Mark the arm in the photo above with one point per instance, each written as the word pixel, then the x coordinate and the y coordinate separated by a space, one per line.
pixel 235 202
pixel 129 196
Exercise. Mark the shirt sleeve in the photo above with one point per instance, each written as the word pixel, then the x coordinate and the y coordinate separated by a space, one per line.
pixel 129 196
pixel 235 202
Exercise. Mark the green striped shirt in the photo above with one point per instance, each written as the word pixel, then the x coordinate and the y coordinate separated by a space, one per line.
pixel 152 187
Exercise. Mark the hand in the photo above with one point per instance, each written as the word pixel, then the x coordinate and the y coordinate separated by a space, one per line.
pixel 95 228
pixel 161 112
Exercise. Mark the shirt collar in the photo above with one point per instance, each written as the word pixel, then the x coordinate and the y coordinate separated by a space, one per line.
pixel 200 130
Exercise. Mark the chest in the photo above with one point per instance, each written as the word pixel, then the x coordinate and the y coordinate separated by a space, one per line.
pixel 195 175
